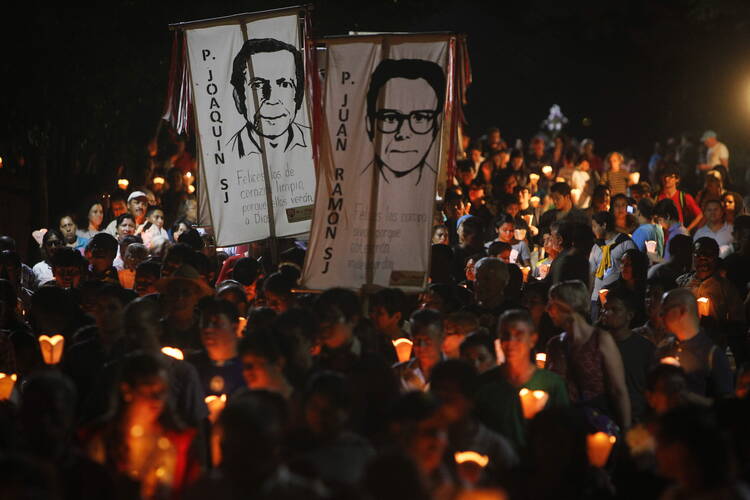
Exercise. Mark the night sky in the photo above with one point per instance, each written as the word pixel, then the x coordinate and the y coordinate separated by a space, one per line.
pixel 86 87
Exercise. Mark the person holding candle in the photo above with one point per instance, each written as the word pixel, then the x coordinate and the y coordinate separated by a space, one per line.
pixel 263 364
pixel 585 356
pixel 705 364
pixel 564 207
pixel 620 208
pixel 143 441
pixel 387 315
pixel 505 226
pixel 605 257
pixel 498 402
pixel 428 336
pixel 218 363
pixel 180 293
pixel 636 351
pixel 647 229
pixel 653 329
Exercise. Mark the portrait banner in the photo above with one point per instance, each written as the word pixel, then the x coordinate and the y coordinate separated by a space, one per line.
pixel 382 144
pixel 253 125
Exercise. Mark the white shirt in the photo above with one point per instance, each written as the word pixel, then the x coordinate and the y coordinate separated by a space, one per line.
pixel 717 153
pixel 612 274
pixel 43 273
pixel 723 237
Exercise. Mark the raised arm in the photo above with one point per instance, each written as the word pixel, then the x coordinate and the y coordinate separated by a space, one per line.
pixel 616 387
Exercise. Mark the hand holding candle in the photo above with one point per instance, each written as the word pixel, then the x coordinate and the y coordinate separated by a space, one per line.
pixel 215 405
pixel 704 307
pixel 599 446
pixel 532 402
pixel 52 348
pixel 541 359
pixel 403 349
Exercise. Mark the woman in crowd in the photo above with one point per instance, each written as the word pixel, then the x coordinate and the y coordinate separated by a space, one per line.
pixel 733 205
pixel 95 217
pixel 51 241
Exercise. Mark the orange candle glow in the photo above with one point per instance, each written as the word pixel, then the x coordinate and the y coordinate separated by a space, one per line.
pixel 462 457
pixel 173 352
pixel 603 295
pixel 532 402
pixel 6 385
pixel 533 177
pixel 541 359
pixel 123 183
pixel 241 326
pixel 546 170
pixel 215 405
pixel 704 306
pixel 534 200
pixel 52 348
pixel 191 189
pixel 525 270
pixel 403 349
pixel 670 360
pixel 635 177
pixel 158 181
pixel 599 446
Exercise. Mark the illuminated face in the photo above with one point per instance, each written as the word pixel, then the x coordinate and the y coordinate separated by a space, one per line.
pixel 126 227
pixel 219 336
pixel 96 215
pixel 615 315
pixel 146 400
pixel 728 203
pixel 517 339
pixel 480 357
pixel 406 121
pixel 157 218
pixel 68 230
pixel 259 372
pixel 137 208
pixel 561 202
pixel 713 213
pixel 428 343
pixel 620 207
pixel 118 208
pixel 275 85
pixel 505 232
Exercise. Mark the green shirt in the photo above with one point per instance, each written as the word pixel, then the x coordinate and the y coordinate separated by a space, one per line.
pixel 498 405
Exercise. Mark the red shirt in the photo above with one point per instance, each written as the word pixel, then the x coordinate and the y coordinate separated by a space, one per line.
pixel 690 205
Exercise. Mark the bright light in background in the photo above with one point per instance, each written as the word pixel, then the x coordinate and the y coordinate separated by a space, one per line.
pixel 1 162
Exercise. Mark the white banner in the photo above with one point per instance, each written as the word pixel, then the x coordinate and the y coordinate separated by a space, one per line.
pixel 252 117
pixel 380 151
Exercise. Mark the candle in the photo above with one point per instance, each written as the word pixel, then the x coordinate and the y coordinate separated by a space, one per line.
pixel 532 402
pixel 525 270
pixel 541 359
pixel 533 178
pixel 651 246
pixel 704 306
pixel 513 255
pixel 669 360
pixel 52 348
pixel 191 189
pixel 599 446
pixel 123 183
pixel 529 218
pixel 403 349
pixel 603 295
pixel 241 323
pixel 560 179
pixel 546 170
pixel 6 385
pixel 519 234
pixel 189 175
pixel 463 457
pixel 158 181
pixel 543 270
pixel 534 200
pixel 215 405
pixel 173 352
pixel 575 193
pixel 635 177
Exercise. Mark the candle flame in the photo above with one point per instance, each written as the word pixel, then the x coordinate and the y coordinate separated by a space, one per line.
pixel 123 183
pixel 191 189
pixel 52 348
pixel 173 352
pixel 158 180
pixel 471 456
pixel 670 360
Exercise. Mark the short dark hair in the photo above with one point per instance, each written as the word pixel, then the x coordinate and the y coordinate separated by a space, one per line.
pixel 246 270
pixel 68 257
pixel 477 339
pixel 498 247
pixel 709 244
pixel 426 317
pixel 456 373
pixel 393 300
pixel 264 45
pixel 263 343
pixel 411 69
pixel 667 209
pixel 122 217
pixel 561 188
pixel 605 219
pixel 209 306
pixel 103 240
pixel 646 207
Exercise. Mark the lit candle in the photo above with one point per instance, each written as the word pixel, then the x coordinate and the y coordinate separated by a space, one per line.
pixel 173 352
pixel 463 457
pixel 123 183
pixel 529 218
pixel 6 385
pixel 704 306
pixel 189 175
pixel 519 234
pixel 532 402
pixel 560 179
pixel 191 189
pixel 599 446
pixel 603 295
pixel 651 246
pixel 52 348
pixel 215 405
pixel 670 360
pixel 533 178
pixel 241 326
pixel 546 170
pixel 575 193
pixel 403 349
pixel 534 200
pixel 525 270
pixel 541 359
pixel 158 181
pixel 635 177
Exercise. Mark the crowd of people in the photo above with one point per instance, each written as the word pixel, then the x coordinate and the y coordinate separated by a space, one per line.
pixel 584 335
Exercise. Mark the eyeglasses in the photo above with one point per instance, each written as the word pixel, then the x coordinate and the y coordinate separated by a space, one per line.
pixel 420 122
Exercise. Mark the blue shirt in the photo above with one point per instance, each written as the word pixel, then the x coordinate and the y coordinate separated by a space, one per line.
pixel 649 232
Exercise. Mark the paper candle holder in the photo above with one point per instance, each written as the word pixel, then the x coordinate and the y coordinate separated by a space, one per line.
pixel 534 201
pixel 603 295
pixel 123 183
pixel 158 181
pixel 635 177
pixel 532 402
pixel 215 405
pixel 541 359
pixel 173 352
pixel 242 322
pixel 599 446
pixel 463 457
pixel 403 348
pixel 525 271
pixel 651 246
pixel 704 306
pixel 6 385
pixel 533 177
pixel 546 170
pixel 52 348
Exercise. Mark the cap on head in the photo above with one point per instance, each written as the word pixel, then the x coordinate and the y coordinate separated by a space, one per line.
pixel 708 134
pixel 137 194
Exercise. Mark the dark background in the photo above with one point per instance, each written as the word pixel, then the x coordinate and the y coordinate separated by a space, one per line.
pixel 84 88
